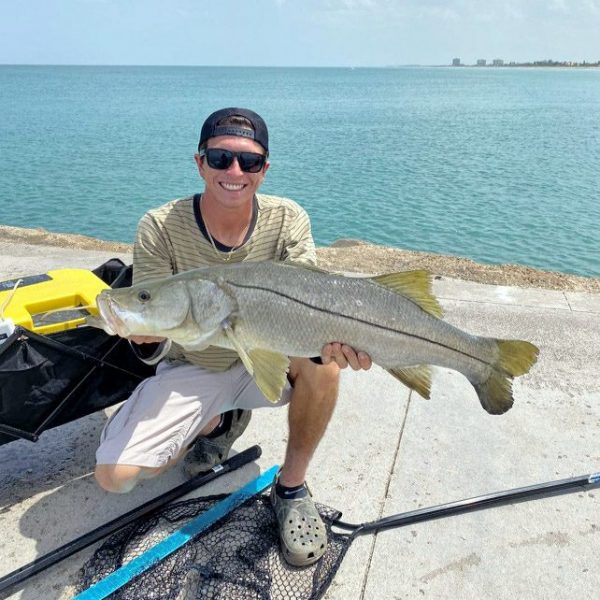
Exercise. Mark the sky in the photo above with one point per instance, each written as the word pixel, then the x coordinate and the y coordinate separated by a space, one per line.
pixel 296 32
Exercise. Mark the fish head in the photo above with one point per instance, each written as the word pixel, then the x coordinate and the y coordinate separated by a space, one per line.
pixel 155 308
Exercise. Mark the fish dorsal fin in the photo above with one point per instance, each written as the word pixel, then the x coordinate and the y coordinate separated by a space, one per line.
pixel 416 378
pixel 415 285
pixel 268 369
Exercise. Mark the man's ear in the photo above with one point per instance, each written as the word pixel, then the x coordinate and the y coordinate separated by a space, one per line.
pixel 200 164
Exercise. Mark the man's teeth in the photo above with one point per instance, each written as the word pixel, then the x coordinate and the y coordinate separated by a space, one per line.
pixel 232 187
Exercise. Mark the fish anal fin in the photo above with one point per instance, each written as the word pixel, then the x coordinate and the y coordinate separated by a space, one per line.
pixel 416 378
pixel 270 372
pixel 415 285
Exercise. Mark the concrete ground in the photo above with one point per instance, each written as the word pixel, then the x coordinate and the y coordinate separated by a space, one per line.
pixel 386 451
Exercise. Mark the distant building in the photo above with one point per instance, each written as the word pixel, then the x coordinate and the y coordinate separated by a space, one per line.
pixel 498 62
pixel 456 62
pixel 481 62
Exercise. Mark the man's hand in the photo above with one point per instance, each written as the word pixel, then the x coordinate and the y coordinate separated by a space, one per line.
pixel 145 339
pixel 345 355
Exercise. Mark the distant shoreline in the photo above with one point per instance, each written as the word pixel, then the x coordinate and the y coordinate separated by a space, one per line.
pixel 346 255
pixel 406 66
pixel 527 66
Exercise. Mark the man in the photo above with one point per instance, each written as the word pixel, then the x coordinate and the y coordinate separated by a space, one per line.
pixel 198 403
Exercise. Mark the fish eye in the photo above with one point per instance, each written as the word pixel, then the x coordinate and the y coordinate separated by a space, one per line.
pixel 144 295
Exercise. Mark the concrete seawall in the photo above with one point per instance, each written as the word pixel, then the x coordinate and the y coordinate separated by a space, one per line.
pixel 386 450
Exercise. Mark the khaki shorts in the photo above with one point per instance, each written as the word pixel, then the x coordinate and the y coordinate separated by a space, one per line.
pixel 165 413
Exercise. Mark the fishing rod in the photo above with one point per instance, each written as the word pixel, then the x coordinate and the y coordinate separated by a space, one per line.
pixel 55 556
pixel 523 494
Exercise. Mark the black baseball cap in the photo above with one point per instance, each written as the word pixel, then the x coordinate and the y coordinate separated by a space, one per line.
pixel 211 127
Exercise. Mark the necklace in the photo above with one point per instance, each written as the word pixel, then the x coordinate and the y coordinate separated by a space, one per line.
pixel 229 254
pixel 220 255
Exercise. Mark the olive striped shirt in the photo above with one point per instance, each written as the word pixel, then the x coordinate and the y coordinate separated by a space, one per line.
pixel 169 240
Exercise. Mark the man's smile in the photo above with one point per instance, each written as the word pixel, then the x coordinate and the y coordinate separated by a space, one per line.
pixel 232 187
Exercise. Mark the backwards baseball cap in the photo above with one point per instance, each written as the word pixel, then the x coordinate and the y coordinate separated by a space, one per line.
pixel 211 127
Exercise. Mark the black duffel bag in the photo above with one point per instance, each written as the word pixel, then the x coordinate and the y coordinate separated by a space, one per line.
pixel 48 380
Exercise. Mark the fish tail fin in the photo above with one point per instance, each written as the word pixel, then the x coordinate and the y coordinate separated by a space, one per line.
pixel 515 357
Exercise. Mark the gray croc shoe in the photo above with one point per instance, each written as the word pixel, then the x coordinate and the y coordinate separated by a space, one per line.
pixel 208 452
pixel 302 533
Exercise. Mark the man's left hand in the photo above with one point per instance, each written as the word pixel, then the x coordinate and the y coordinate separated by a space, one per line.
pixel 345 355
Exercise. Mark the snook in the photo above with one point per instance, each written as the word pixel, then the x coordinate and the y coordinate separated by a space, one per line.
pixel 269 311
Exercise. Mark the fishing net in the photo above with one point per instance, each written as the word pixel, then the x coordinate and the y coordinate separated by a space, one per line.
pixel 237 558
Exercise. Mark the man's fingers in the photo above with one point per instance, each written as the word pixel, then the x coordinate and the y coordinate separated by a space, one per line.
pixel 364 361
pixel 145 339
pixel 333 352
pixel 350 356
pixel 326 354
pixel 345 355
pixel 338 355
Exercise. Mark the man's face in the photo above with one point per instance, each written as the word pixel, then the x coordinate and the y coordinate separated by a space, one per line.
pixel 231 187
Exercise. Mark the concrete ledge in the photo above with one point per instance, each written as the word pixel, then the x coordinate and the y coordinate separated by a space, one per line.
pixel 385 452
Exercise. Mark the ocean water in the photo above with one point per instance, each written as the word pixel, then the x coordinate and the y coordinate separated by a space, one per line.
pixel 498 165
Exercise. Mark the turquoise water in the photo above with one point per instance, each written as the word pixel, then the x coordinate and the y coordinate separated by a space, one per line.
pixel 499 165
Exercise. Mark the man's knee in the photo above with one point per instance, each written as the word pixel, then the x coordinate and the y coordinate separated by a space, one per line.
pixel 118 479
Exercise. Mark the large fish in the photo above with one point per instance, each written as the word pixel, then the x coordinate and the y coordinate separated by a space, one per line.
pixel 269 311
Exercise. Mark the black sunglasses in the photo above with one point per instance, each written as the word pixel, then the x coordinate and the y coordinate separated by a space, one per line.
pixel 217 158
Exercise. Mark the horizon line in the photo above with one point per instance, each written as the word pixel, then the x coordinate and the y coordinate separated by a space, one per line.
pixel 391 66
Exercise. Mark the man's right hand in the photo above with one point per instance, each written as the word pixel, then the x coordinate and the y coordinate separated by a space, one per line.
pixel 146 339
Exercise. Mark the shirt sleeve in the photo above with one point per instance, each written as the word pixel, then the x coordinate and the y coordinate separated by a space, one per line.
pixel 300 246
pixel 151 255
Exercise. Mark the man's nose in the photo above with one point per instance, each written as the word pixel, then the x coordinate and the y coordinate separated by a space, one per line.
pixel 234 167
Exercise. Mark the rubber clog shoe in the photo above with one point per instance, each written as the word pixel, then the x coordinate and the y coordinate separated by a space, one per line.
pixel 302 533
pixel 208 452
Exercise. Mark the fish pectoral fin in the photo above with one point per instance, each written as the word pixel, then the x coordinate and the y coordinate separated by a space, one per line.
pixel 238 347
pixel 416 378
pixel 415 285
pixel 270 372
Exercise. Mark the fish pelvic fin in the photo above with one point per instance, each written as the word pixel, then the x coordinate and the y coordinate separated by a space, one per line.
pixel 414 285
pixel 515 358
pixel 416 378
pixel 268 369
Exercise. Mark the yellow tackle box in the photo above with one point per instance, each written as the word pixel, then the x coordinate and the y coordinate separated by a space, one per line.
pixel 74 289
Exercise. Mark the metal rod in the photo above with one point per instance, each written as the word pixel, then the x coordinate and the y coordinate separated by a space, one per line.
pixel 531 492
pixel 39 564
pixel 18 433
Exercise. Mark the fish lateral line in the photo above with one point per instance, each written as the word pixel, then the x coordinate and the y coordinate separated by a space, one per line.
pixel 359 320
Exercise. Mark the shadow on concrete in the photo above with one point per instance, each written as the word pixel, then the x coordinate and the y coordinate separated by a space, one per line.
pixel 61 454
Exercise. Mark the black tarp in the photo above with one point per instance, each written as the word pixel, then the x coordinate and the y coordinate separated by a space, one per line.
pixel 48 380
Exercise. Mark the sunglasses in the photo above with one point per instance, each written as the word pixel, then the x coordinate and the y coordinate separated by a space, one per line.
pixel 217 158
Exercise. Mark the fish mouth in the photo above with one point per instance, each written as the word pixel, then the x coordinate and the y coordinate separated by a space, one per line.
pixel 106 308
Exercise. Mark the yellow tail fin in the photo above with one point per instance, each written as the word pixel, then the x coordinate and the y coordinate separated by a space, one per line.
pixel 515 358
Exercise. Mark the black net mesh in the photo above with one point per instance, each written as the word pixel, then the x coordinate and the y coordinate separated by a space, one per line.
pixel 237 558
